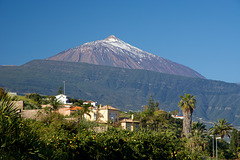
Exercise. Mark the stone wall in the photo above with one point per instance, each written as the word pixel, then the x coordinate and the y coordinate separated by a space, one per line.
pixel 30 114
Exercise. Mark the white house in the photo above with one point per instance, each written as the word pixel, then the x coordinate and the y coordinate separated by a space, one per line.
pixel 61 98
pixel 177 117
pixel 91 102
pixel 12 94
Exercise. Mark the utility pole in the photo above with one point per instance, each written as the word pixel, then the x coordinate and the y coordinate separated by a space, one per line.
pixel 64 87
pixel 216 146
pixel 213 143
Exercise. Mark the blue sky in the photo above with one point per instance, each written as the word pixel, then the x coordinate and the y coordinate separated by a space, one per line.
pixel 203 35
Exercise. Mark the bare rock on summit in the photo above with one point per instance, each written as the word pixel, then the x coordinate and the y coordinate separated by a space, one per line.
pixel 114 52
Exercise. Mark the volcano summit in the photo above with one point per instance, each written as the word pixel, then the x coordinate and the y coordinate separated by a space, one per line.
pixel 117 53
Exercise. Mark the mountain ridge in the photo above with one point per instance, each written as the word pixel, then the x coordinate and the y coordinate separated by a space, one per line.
pixel 126 89
pixel 117 53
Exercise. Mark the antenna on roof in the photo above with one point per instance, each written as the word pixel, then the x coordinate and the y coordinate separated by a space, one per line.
pixel 64 87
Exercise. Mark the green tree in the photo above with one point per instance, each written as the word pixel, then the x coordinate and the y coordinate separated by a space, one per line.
pixel 60 89
pixel 197 141
pixel 55 104
pixel 156 106
pixel 187 104
pixel 77 102
pixel 8 120
pixel 150 118
pixel 145 108
pixel 234 143
pixel 222 128
pixel 2 92
pixel 175 112
pixel 85 110
pixel 198 127
pixel 151 106
pixel 16 138
pixel 36 97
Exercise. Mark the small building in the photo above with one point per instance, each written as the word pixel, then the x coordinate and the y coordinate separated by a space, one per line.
pixel 130 124
pixel 61 98
pixel 109 114
pixel 12 94
pixel 177 117
pixel 103 114
pixel 91 102
pixel 93 114
pixel 67 111
pixel 47 105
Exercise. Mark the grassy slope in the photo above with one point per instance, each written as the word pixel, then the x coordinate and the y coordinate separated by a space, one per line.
pixel 123 88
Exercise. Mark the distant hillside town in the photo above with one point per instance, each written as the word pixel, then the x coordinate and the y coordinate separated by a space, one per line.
pixel 89 110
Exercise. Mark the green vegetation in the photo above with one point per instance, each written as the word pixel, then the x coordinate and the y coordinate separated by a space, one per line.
pixel 235 142
pixel 16 138
pixel 222 128
pixel 124 88
pixel 55 104
pixel 54 137
pixel 187 105
pixel 60 89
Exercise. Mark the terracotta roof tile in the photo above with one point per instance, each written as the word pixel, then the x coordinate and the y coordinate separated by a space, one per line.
pixel 74 108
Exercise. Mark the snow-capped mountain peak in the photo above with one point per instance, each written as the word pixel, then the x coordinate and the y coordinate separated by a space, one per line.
pixel 112 38
pixel 134 51
pixel 115 52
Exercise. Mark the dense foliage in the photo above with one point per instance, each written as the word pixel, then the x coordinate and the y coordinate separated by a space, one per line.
pixel 54 137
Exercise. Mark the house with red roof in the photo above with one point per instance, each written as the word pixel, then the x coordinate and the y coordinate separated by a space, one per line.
pixel 67 111
pixel 91 102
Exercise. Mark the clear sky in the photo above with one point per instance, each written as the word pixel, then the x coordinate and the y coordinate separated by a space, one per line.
pixel 201 34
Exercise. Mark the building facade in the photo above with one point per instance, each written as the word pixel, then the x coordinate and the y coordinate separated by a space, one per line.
pixel 106 114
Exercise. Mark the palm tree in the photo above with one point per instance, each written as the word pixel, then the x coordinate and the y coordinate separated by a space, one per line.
pixel 55 104
pixel 9 124
pixel 175 112
pixel 198 127
pixel 3 93
pixel 8 113
pixel 187 104
pixel 222 128
pixel 86 109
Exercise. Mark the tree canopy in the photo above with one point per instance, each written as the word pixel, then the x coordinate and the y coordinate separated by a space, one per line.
pixel 222 128
pixel 187 104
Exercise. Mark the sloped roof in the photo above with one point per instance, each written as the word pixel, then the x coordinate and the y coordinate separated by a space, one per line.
pixel 46 105
pixel 89 102
pixel 107 107
pixel 60 95
pixel 129 120
pixel 74 108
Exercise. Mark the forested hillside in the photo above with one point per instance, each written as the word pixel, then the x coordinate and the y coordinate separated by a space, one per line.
pixel 124 88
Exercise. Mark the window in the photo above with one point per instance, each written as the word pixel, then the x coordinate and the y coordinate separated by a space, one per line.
pixel 128 126
pixel 95 116
pixel 113 117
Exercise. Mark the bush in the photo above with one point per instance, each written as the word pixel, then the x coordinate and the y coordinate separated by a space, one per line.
pixel 17 140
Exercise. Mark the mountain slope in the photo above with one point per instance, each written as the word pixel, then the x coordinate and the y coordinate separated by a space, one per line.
pixel 114 52
pixel 124 88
